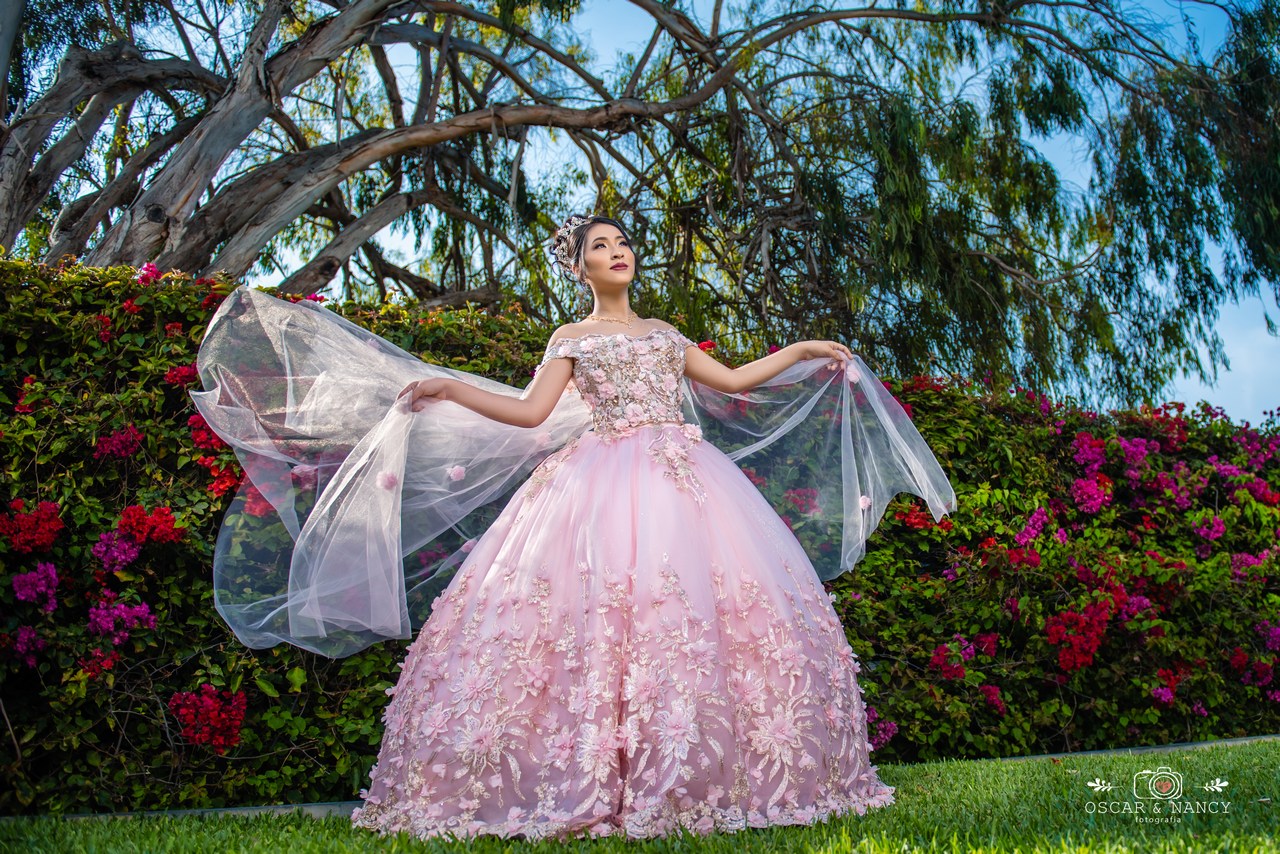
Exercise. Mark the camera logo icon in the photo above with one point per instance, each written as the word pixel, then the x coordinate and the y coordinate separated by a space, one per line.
pixel 1161 784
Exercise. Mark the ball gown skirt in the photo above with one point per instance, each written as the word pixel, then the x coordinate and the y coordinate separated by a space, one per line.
pixel 637 643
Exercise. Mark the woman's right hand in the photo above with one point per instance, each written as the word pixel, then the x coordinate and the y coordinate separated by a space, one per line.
pixel 421 392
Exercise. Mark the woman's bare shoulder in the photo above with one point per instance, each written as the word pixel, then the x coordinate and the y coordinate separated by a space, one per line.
pixel 659 323
pixel 562 331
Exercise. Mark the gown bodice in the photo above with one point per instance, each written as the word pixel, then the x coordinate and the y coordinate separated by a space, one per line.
pixel 627 381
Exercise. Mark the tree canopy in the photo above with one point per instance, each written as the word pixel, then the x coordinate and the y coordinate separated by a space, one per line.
pixel 865 172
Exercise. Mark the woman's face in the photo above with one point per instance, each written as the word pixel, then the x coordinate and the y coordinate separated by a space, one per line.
pixel 607 259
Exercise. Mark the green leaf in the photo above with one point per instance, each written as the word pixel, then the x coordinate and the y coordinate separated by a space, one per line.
pixel 297 678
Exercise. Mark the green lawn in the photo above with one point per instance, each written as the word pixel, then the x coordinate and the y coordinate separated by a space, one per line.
pixel 1030 805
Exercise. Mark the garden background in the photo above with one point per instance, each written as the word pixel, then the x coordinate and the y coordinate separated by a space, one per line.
pixel 1109 579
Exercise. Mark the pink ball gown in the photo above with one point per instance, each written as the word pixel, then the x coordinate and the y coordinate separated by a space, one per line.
pixel 637 644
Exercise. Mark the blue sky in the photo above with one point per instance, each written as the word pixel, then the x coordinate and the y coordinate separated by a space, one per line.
pixel 1250 386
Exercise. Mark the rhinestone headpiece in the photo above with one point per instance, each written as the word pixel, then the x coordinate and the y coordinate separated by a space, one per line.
pixel 557 248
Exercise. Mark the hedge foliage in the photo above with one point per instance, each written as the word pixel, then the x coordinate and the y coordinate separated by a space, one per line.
pixel 1109 579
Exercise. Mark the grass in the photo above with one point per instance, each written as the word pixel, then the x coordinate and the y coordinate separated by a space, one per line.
pixel 1027 805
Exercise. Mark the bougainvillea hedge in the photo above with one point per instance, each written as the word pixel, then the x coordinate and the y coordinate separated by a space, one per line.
pixel 1109 579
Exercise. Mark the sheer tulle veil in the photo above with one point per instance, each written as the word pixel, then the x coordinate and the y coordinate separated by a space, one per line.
pixel 355 511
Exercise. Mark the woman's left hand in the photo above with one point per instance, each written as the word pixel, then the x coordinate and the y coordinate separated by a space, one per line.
pixel 825 350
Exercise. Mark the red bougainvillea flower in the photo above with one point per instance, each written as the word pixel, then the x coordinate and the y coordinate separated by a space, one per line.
pixel 922 382
pixel 173 330
pixel 914 518
pixel 34 531
pixel 156 527
pixel 255 503
pixel 122 443
pixel 805 500
pixel 202 436
pixel 104 324
pixel 182 375
pixel 706 346
pixel 98 662
pixel 1029 558
pixel 22 406
pixel 1078 634
pixel 212 301
pixel 225 478
pixel 986 642
pixel 130 307
pixel 209 716
pixel 941 661
pixel 1259 673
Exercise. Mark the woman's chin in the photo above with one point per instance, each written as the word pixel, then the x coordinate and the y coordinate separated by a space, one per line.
pixel 614 282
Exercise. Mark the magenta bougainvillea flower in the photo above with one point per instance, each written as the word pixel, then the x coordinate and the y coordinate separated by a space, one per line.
pixel 39 584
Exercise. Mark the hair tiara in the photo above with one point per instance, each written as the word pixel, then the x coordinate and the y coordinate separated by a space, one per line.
pixel 557 248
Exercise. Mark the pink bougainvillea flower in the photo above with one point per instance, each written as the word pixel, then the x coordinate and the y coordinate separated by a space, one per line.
pixel 115 620
pixel 26 643
pixel 40 583
pixel 116 550
pixel 991 693
pixel 148 274
pixel 1212 529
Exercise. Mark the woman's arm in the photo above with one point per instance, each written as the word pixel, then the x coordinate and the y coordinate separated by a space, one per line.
pixel 711 373
pixel 528 410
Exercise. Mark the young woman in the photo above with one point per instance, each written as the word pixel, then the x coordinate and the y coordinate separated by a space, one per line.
pixel 638 642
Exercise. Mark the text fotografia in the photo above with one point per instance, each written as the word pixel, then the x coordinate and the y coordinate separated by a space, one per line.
pixel 1158 798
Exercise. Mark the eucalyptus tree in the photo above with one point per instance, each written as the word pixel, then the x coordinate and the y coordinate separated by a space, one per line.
pixel 860 171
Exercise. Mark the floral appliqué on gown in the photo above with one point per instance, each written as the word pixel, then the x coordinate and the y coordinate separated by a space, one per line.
pixel 637 643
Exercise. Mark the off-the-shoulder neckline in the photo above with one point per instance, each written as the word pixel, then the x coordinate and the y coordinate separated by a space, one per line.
pixel 615 335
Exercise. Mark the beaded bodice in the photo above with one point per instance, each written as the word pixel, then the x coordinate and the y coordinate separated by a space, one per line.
pixel 627 380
